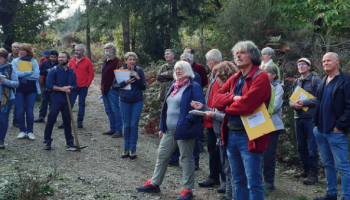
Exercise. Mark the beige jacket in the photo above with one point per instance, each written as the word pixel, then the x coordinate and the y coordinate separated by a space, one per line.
pixel 165 77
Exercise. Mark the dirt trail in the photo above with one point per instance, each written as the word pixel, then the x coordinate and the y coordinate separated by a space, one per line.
pixel 99 171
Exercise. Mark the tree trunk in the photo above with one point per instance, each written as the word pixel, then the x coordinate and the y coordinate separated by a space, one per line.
pixel 126 31
pixel 88 40
pixel 6 16
pixel 174 16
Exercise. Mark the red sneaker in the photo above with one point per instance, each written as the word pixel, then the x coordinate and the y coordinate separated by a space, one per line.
pixel 148 187
pixel 185 194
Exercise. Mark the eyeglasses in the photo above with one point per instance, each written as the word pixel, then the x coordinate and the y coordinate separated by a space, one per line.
pixel 301 64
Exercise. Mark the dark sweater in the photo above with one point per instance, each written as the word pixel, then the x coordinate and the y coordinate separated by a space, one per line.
pixel 44 67
pixel 108 73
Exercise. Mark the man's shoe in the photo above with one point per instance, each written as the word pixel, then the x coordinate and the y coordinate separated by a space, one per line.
pixel 185 194
pixel 327 197
pixel 149 188
pixel 108 133
pixel 80 124
pixel 302 174
pixel 61 126
pixel 47 146
pixel 15 123
pixel 70 145
pixel 31 136
pixel 125 153
pixel 222 188
pixel 39 120
pixel 117 135
pixel 22 135
pixel 311 179
pixel 2 145
pixel 269 186
pixel 209 183
pixel 174 164
pixel 132 154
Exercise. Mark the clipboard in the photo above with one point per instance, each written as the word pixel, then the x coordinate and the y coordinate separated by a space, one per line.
pixel 122 75
pixel 25 66
pixel 258 124
pixel 300 94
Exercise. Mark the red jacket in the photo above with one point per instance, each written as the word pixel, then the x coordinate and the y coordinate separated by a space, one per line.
pixel 83 70
pixel 202 72
pixel 254 93
pixel 43 59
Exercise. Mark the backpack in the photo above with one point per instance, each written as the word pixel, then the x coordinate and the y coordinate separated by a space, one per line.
pixel 312 81
pixel 272 97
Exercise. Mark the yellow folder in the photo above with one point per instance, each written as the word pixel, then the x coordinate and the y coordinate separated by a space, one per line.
pixel 25 66
pixel 259 123
pixel 300 94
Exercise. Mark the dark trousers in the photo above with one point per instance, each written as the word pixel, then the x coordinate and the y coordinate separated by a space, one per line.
pixel 54 110
pixel 269 158
pixel 214 157
pixel 82 93
pixel 175 157
pixel 45 99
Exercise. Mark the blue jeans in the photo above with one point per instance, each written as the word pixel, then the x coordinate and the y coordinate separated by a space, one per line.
pixel 4 120
pixel 215 169
pixel 54 110
pixel 307 146
pixel 111 102
pixel 82 92
pixel 25 105
pixel 334 154
pixel 245 168
pixel 14 112
pixel 175 157
pixel 45 99
pixel 131 116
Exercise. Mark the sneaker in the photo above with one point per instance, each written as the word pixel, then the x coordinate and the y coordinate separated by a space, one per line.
pixel 126 153
pixel 31 136
pixel 47 146
pixel 269 186
pixel 80 124
pixel 39 120
pixel 22 135
pixel 185 194
pixel 222 188
pixel 2 145
pixel 311 179
pixel 117 135
pixel 149 188
pixel 327 197
pixel 174 164
pixel 61 126
pixel 302 174
pixel 132 154
pixel 209 183
pixel 108 133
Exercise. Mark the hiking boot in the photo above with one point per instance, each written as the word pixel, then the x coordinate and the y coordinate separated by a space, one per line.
pixel 22 135
pixel 47 146
pixel 302 174
pixel 269 186
pixel 173 164
pixel 185 194
pixel 61 126
pixel 149 188
pixel 209 183
pixel 327 197
pixel 70 145
pixel 126 153
pixel 2 145
pixel 117 135
pixel 222 188
pixel 132 154
pixel 311 179
pixel 108 133
pixel 31 136
pixel 80 124
pixel 40 120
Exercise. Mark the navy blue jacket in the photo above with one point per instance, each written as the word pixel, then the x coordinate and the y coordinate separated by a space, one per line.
pixel 340 102
pixel 189 126
pixel 135 94
pixel 59 77
pixel 44 67
pixel 197 78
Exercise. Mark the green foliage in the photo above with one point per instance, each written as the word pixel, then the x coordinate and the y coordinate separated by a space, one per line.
pixel 46 190
pixel 10 190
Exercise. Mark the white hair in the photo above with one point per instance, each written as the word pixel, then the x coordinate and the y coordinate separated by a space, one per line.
pixel 186 66
pixel 214 54
pixel 15 43
pixel 113 47
pixel 268 50
pixel 188 56
pixel 80 46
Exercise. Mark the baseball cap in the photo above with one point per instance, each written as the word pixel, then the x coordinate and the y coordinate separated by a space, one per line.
pixel 47 53
pixel 305 60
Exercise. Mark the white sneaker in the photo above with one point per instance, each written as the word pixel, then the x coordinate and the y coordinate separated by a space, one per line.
pixel 31 136
pixel 22 135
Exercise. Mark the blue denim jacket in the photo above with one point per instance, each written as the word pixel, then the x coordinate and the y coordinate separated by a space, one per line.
pixel 27 74
pixel 12 83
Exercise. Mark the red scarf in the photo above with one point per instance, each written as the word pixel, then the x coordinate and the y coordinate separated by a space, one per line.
pixel 178 85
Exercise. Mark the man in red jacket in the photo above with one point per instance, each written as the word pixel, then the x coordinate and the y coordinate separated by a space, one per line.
pixel 85 73
pixel 242 94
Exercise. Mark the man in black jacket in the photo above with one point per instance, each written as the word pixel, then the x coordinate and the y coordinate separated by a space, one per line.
pixel 332 125
pixel 45 97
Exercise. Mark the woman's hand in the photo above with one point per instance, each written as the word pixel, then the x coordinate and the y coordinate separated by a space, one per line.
pixel 32 72
pixel 196 105
pixel 2 79
pixel 160 134
pixel 209 114
pixel 134 74
pixel 130 81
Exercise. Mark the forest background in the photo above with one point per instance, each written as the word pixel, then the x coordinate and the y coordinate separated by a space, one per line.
pixel 293 28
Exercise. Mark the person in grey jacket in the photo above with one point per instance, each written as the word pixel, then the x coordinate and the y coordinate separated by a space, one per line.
pixel 307 146
pixel 269 157
pixel 222 72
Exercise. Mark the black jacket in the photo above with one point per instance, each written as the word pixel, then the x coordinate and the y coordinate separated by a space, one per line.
pixel 44 67
pixel 340 102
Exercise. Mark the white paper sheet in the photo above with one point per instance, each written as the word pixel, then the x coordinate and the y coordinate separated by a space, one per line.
pixel 123 76
pixel 296 89
pixel 256 119
pixel 302 97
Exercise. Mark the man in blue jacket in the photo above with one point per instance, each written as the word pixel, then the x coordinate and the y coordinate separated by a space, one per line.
pixel 332 125
pixel 60 80
pixel 45 67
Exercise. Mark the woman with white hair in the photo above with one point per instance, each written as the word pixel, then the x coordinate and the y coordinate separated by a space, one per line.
pixel 266 54
pixel 178 128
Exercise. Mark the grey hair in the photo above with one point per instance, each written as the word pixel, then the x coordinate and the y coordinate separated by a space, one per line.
pixel 188 56
pixel 186 66
pixel 130 54
pixel 269 51
pixel 81 47
pixel 273 70
pixel 113 47
pixel 15 43
pixel 214 54
pixel 336 56
pixel 171 51
pixel 249 46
